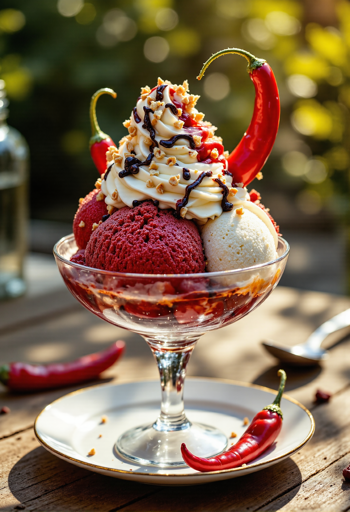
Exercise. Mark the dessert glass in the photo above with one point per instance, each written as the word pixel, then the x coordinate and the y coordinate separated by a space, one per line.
pixel 171 312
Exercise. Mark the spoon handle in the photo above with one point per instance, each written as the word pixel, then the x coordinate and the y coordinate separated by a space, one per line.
pixel 334 324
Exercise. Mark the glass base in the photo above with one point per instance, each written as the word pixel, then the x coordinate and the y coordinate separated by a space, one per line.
pixel 147 446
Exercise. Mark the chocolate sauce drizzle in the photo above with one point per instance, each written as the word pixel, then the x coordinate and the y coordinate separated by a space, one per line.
pixel 136 116
pixel 108 171
pixel 136 202
pixel 186 174
pixel 171 107
pixel 148 126
pixel 160 89
pixel 132 164
pixel 182 202
pixel 105 217
pixel 171 142
pixel 225 205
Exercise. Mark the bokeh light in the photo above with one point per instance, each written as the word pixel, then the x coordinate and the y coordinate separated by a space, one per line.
pixel 283 24
pixel 216 86
pixel 11 20
pixel 302 86
pixel 294 163
pixel 117 24
pixel 86 15
pixel 256 31
pixel 309 202
pixel 69 8
pixel 315 171
pixel 156 49
pixel 233 9
pixel 166 19
pixel 74 142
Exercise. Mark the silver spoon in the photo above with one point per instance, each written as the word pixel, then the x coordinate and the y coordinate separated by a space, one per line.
pixel 310 352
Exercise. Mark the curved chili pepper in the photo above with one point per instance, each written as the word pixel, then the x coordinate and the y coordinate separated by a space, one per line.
pixel 258 437
pixel 248 158
pixel 99 141
pixel 29 377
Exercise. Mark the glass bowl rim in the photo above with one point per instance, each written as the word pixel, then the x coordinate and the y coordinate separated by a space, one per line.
pixel 205 275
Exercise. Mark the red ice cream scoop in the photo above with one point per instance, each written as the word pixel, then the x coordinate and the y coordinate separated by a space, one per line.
pixel 90 212
pixel 146 239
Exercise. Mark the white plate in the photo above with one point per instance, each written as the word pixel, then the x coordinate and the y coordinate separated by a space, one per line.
pixel 70 426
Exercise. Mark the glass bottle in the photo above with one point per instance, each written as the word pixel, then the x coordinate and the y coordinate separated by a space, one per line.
pixel 13 204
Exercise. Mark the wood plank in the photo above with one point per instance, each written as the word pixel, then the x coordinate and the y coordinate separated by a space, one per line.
pixel 330 442
pixel 33 477
pixel 234 352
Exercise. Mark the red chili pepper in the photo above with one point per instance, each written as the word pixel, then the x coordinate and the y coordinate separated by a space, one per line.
pixel 29 377
pixel 99 141
pixel 248 158
pixel 258 437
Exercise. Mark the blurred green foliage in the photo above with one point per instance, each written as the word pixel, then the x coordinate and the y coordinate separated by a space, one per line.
pixel 55 54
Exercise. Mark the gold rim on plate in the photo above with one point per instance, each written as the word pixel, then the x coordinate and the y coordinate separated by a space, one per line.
pixel 222 471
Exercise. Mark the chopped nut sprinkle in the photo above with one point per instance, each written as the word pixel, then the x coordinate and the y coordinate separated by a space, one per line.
pixel 158 153
pixel 150 184
pixel 110 209
pixel 154 121
pixel 100 436
pixel 112 151
pixel 199 116
pixel 226 154
pixel 193 153
pixel 160 188
pixel 183 212
pixel 98 183
pixel 132 130
pixel 185 100
pixel 239 211
pixel 214 153
pixel 158 114
pixel 91 452
pixel 240 185
pixel 180 90
pixel 130 147
pixel 127 123
pixel 145 90
pixel 95 225
pixel 259 176
pixel 233 191
pixel 148 141
pixel 82 224
pixel 160 81
pixel 81 200
pixel 104 419
pixel 197 140
pixel 185 85
pixel 118 159
pixel 246 420
pixel 144 96
pixel 178 124
pixel 171 160
pixel 153 172
pixel 156 104
pixel 153 166
pixel 115 195
pixel 174 180
pixel 149 100
pixel 100 196
pixel 233 434
pixel 179 111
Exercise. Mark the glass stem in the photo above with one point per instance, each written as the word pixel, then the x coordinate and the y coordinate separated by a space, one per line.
pixel 172 371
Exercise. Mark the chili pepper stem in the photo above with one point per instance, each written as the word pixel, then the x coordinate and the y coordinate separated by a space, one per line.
pixel 276 404
pixel 97 134
pixel 253 62
pixel 4 373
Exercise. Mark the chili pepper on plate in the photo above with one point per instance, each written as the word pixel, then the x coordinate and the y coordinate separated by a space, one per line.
pixel 248 158
pixel 29 377
pixel 259 436
pixel 99 141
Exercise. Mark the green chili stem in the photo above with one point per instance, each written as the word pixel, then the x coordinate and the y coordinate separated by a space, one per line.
pixel 276 404
pixel 4 373
pixel 253 62
pixel 97 133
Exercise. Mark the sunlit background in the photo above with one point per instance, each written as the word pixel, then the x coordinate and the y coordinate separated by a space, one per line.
pixel 56 54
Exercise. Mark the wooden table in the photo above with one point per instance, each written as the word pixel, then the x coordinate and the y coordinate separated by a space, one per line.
pixel 49 325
